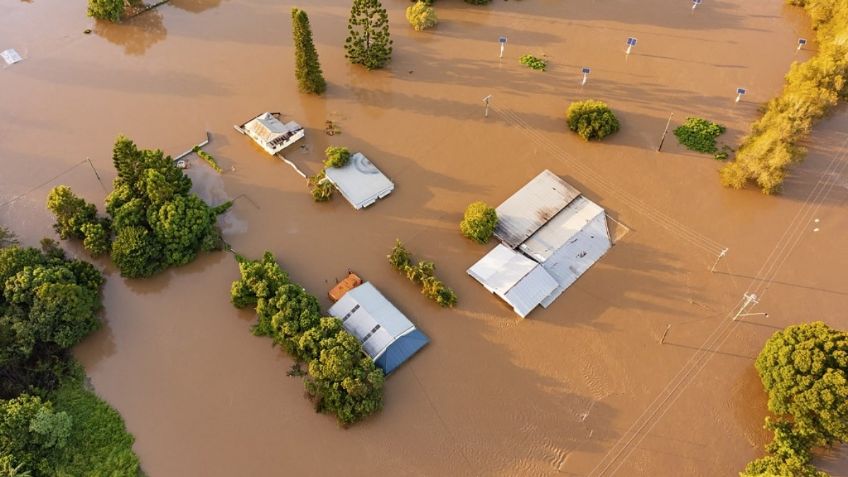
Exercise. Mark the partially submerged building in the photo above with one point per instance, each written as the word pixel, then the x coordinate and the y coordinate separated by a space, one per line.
pixel 387 336
pixel 270 133
pixel 550 235
pixel 359 181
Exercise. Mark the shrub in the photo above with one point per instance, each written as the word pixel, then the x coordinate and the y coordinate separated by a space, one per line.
pixel 811 89
pixel 320 187
pixel 423 274
pixel 208 159
pixel 421 16
pixel 368 43
pixel 591 119
pixel 699 134
pixel 533 62
pixel 307 68
pixel 336 156
pixel 479 222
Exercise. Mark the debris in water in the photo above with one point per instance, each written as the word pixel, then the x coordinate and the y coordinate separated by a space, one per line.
pixel 87 31
pixel 10 56
pixel 331 128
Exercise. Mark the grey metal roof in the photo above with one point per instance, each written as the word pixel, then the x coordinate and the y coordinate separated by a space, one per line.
pixel 371 318
pixel 519 281
pixel 360 182
pixel 531 207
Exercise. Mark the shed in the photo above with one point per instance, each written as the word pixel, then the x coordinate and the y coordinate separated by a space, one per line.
pixel 271 134
pixel 570 243
pixel 531 207
pixel 350 282
pixel 518 280
pixel 360 182
pixel 387 336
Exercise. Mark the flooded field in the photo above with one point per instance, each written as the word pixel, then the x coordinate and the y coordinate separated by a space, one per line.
pixel 577 389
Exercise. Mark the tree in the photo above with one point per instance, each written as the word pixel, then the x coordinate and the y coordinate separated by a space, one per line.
pixel 479 222
pixel 137 253
pixel 32 433
pixel 307 69
pixel 368 42
pixel 804 369
pixel 260 279
pixel 112 10
pixel 71 212
pixel 591 119
pixel 789 455
pixel 421 16
pixel 344 381
pixel 336 156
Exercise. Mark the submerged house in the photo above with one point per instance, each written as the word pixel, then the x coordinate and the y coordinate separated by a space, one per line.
pixel 270 133
pixel 359 181
pixel 550 235
pixel 387 336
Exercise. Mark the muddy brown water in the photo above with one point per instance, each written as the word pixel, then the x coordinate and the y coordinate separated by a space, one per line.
pixel 491 395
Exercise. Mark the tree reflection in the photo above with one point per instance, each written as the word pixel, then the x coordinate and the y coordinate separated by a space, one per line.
pixel 137 34
pixel 195 6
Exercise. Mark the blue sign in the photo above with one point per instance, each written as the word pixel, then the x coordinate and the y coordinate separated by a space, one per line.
pixel 740 90
pixel 697 2
pixel 502 39
pixel 586 71
pixel 631 41
pixel 802 41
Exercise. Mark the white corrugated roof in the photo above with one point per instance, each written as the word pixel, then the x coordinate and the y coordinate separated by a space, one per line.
pixel 360 182
pixel 531 207
pixel 519 281
pixel 371 318
pixel 500 269
pixel 530 291
pixel 561 229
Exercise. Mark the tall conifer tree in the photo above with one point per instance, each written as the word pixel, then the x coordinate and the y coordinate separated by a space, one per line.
pixel 307 68
pixel 368 42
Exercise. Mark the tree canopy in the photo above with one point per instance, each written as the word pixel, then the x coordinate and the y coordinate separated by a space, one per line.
pixel 804 370
pixel 307 69
pixel 341 379
pixel 591 119
pixel 154 220
pixel 479 222
pixel 368 43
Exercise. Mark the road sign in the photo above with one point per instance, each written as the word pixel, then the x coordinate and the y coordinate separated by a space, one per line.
pixel 802 41
pixel 740 91
pixel 502 39
pixel 631 41
pixel 586 70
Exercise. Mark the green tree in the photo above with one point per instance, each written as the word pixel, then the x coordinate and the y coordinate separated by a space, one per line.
pixel 33 433
pixel 71 212
pixel 307 69
pixel 343 381
pixel 181 225
pixel 804 369
pixel 137 253
pixel 260 279
pixel 789 455
pixel 479 222
pixel 368 42
pixel 112 10
pixel 421 15
pixel 699 134
pixel 591 119
pixel 399 257
pixel 336 156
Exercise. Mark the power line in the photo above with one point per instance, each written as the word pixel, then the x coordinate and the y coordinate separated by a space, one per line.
pixel 39 186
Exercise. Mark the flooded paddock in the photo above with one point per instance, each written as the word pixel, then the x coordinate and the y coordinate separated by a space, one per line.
pixel 571 390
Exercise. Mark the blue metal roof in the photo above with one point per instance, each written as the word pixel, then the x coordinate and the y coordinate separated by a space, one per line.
pixel 400 350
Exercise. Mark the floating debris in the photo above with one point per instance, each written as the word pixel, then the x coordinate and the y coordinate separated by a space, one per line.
pixel 331 128
pixel 10 56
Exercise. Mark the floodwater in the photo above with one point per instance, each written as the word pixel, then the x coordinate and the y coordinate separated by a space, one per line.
pixel 578 389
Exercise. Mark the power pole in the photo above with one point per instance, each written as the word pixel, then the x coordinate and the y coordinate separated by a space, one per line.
pixel 96 174
pixel 749 299
pixel 486 100
pixel 667 124
pixel 720 256
pixel 662 340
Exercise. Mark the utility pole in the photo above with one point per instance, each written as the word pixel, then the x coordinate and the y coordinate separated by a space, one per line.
pixel 486 100
pixel 96 174
pixel 720 256
pixel 667 124
pixel 662 340
pixel 749 299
